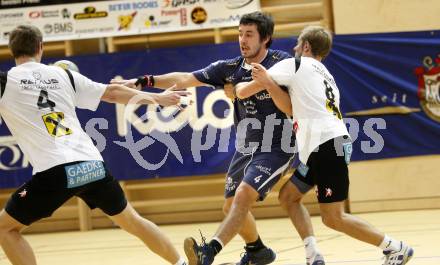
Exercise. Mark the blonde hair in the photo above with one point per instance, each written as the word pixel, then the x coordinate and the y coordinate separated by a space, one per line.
pixel 319 38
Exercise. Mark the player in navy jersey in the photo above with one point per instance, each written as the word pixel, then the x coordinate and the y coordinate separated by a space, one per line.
pixel 259 159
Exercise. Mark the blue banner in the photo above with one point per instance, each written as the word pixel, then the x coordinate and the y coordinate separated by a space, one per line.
pixel 390 83
pixel 390 97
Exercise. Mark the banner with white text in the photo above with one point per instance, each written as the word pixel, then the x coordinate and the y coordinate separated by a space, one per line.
pixel 82 20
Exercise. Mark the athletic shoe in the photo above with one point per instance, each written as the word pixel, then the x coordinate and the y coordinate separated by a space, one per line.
pixel 400 257
pixel 260 257
pixel 198 254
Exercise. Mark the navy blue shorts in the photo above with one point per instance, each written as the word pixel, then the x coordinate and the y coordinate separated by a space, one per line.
pixel 260 170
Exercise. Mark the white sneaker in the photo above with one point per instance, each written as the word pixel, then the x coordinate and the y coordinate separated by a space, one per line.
pixel 400 257
pixel 315 259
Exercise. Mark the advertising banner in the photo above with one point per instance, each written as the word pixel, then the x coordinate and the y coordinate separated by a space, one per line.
pixel 120 18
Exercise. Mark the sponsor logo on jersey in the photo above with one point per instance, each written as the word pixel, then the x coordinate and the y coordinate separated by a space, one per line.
pixel 249 106
pixel 39 83
pixel 262 96
pixel 55 124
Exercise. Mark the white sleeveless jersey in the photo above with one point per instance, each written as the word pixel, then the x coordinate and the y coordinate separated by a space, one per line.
pixel 38 106
pixel 315 102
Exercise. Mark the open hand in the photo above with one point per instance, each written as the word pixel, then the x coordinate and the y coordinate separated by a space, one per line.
pixel 173 98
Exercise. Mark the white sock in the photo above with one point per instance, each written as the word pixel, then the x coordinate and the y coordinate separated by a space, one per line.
pixel 181 261
pixel 389 243
pixel 311 246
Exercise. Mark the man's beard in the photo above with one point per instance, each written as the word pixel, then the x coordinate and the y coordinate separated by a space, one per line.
pixel 253 55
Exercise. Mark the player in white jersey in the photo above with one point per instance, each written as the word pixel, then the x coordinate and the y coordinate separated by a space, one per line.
pixel 37 102
pixel 323 141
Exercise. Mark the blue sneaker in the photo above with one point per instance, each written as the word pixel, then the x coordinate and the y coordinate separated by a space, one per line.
pixel 198 254
pixel 400 257
pixel 260 257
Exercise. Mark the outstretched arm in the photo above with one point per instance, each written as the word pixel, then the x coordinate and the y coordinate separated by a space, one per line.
pixel 116 93
pixel 213 75
pixel 180 79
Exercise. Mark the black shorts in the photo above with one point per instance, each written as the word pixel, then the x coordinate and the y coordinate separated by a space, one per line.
pixel 327 169
pixel 48 190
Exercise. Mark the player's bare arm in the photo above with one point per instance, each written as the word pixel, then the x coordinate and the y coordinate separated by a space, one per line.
pixel 116 93
pixel 247 89
pixel 279 96
pixel 180 79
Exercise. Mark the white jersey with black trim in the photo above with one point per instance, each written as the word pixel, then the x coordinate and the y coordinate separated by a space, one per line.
pixel 315 102
pixel 38 106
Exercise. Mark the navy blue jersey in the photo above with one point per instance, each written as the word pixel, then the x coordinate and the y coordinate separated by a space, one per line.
pixel 259 106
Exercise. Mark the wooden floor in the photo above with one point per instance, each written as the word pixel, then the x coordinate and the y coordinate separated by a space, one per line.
pixel 114 247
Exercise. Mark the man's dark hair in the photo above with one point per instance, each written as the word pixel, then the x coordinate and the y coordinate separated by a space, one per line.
pixel 25 40
pixel 264 23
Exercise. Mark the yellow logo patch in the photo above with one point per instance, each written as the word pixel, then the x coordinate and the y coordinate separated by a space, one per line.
pixel 55 124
